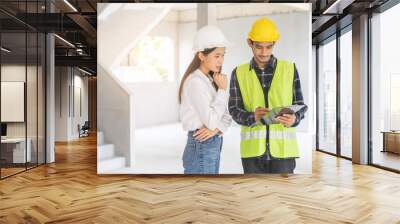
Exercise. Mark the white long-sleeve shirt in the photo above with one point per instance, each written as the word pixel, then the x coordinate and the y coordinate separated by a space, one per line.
pixel 202 105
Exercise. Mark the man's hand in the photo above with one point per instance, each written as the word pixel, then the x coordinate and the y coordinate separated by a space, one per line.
pixel 260 112
pixel 204 133
pixel 287 119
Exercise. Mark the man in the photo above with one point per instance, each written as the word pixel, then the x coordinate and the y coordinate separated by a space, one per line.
pixel 255 88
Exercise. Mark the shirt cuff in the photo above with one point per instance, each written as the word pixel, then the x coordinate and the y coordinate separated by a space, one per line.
pixel 296 121
pixel 251 120
pixel 222 96
pixel 222 127
pixel 225 122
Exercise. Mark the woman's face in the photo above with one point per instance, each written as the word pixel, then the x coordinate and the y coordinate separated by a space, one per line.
pixel 214 60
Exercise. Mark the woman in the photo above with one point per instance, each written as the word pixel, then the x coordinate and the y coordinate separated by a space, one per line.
pixel 203 96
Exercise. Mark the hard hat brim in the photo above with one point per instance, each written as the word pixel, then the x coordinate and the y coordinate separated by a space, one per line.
pixel 225 44
pixel 271 39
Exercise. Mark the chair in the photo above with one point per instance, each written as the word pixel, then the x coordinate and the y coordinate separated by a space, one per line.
pixel 84 130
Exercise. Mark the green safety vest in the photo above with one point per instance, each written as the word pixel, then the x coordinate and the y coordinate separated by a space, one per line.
pixel 282 141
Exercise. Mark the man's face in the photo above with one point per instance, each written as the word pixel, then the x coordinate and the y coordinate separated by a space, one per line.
pixel 262 51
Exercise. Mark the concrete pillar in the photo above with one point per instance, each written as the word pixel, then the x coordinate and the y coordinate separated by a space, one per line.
pixel 206 14
pixel 63 103
pixel 50 93
pixel 360 90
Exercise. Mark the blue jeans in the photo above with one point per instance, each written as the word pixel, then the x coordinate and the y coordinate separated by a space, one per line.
pixel 202 157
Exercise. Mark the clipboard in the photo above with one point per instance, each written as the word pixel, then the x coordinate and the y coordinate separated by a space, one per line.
pixel 270 117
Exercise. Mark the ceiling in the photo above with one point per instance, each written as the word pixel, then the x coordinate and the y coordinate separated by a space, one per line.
pixel 76 22
pixel 332 15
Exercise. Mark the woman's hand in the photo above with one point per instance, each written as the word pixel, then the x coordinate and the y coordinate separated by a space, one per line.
pixel 204 134
pixel 221 80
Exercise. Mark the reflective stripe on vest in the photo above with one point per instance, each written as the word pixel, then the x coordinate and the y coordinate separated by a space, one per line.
pixel 272 135
pixel 283 142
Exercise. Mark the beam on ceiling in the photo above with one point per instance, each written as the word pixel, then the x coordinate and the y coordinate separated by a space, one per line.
pixel 337 7
pixel 84 61
pixel 84 24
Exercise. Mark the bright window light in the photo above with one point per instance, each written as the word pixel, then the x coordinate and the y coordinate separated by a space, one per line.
pixel 151 60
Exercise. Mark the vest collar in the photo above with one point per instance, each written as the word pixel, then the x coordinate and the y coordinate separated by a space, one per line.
pixel 271 62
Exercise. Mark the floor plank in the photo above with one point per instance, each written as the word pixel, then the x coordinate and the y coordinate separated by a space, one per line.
pixel 70 191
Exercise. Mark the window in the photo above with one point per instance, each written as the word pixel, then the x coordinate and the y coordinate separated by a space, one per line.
pixel 346 94
pixel 22 102
pixel 385 89
pixel 394 102
pixel 327 97
pixel 151 60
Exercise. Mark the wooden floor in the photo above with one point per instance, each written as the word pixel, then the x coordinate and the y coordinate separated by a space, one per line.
pixel 387 159
pixel 10 171
pixel 70 191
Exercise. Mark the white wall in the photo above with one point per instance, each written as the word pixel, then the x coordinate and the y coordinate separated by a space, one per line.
pixel 313 107
pixel 119 27
pixel 114 115
pixel 33 127
pixel 157 102
pixel 145 95
pixel 14 73
pixel 79 117
pixel 12 100
pixel 17 73
pixel 66 121
pixel 294 45
pixel 61 104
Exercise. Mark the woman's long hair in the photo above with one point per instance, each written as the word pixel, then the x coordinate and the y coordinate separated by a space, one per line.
pixel 193 66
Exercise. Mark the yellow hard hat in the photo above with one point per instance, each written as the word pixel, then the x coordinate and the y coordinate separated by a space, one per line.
pixel 264 30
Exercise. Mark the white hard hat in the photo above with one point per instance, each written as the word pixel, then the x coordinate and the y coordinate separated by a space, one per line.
pixel 209 37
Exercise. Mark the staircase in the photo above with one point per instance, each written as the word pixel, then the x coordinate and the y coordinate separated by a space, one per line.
pixel 107 161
